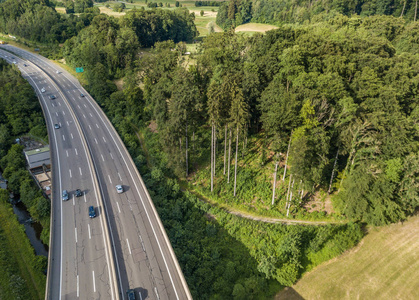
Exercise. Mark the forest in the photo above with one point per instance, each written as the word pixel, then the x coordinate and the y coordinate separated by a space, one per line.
pixel 328 107
pixel 236 12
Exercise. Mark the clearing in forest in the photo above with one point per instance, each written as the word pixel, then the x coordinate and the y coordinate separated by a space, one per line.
pixel 255 27
pixel 383 266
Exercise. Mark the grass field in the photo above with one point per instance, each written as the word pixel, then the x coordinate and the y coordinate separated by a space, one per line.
pixel 255 27
pixel 385 265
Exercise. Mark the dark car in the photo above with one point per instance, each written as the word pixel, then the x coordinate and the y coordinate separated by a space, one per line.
pixel 81 95
pixel 131 294
pixel 79 193
pixel 52 97
pixel 92 212
pixel 57 126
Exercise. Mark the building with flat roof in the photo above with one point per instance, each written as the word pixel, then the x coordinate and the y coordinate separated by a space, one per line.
pixel 38 157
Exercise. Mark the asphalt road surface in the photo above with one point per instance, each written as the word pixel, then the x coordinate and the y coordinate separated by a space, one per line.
pixel 125 245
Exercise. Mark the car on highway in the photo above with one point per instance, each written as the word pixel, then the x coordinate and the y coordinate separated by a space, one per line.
pixel 131 294
pixel 43 90
pixel 57 126
pixel 25 65
pixel 92 212
pixel 65 195
pixel 79 193
pixel 58 72
pixel 119 189
pixel 52 97
pixel 14 62
pixel 81 95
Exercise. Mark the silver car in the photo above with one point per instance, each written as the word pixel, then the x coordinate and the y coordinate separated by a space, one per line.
pixel 119 189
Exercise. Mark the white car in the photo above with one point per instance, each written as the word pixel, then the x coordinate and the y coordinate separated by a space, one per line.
pixel 119 189
pixel 58 72
pixel 43 90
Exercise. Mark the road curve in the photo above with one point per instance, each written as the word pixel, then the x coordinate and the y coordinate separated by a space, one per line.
pixel 144 259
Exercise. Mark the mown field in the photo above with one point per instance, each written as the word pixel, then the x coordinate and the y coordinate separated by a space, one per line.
pixel 383 266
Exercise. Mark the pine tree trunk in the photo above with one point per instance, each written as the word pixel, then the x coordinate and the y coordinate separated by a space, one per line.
pixel 333 172
pixel 274 187
pixel 289 202
pixel 180 145
pixel 215 147
pixel 212 157
pixel 404 6
pixel 193 140
pixel 416 10
pixel 286 159
pixel 225 149
pixel 288 191
pixel 186 149
pixel 235 163
pixel 229 156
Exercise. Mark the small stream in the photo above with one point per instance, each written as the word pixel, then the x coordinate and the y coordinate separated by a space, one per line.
pixel 32 229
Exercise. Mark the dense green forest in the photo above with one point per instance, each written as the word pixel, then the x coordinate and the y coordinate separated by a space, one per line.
pixel 20 114
pixel 236 12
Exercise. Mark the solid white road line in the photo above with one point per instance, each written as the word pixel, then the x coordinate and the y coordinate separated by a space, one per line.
pixel 78 289
pixel 94 284
pixel 129 248
pixel 88 228
pixel 119 210
pixel 74 202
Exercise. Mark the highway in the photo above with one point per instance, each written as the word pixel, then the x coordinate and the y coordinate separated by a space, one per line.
pixel 125 246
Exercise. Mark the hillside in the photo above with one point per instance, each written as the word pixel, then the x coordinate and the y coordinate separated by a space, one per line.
pixel 383 266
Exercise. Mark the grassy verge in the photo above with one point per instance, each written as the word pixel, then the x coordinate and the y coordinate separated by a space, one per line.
pixel 383 266
pixel 21 274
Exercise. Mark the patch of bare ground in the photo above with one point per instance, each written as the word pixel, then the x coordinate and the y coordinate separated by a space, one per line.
pixel 119 84
pixel 153 127
pixel 319 202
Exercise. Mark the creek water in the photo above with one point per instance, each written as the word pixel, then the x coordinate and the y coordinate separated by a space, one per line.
pixel 32 229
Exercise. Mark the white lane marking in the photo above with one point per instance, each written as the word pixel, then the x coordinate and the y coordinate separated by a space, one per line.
pixel 84 116
pixel 129 248
pixel 78 294
pixel 73 98
pixel 104 139
pixel 96 140
pixel 64 113
pixel 111 155
pixel 59 123
pixel 110 178
pixel 90 127
pixel 91 115
pixel 74 202
pixel 59 103
pixel 75 232
pixel 119 175
pixel 66 151
pixel 97 125
pixel 85 105
pixel 75 149
pixel 88 228
pixel 81 174
pixel 119 210
pixel 94 284
pixel 68 124
pixel 141 297
pixel 157 294
pixel 56 114
pixel 84 196
pixel 63 137
pixel 78 106
pixel 103 159
pixel 71 136
pixel 70 172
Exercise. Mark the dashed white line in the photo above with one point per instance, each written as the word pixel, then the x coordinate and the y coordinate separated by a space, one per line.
pixel 75 149
pixel 94 284
pixel 96 140
pixel 117 204
pixel 64 113
pixel 104 139
pixel 78 106
pixel 119 175
pixel 59 103
pixel 81 174
pixel 110 178
pixel 84 196
pixel 111 155
pixel 68 123
pixel 56 114
pixel 84 116
pixel 70 173
pixel 103 159
pixel 91 115
pixel 129 248
pixel 88 227
pixel 85 105
pixel 63 137
pixel 71 136
pixel 74 201
pixel 66 151
pixel 97 125
pixel 90 127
